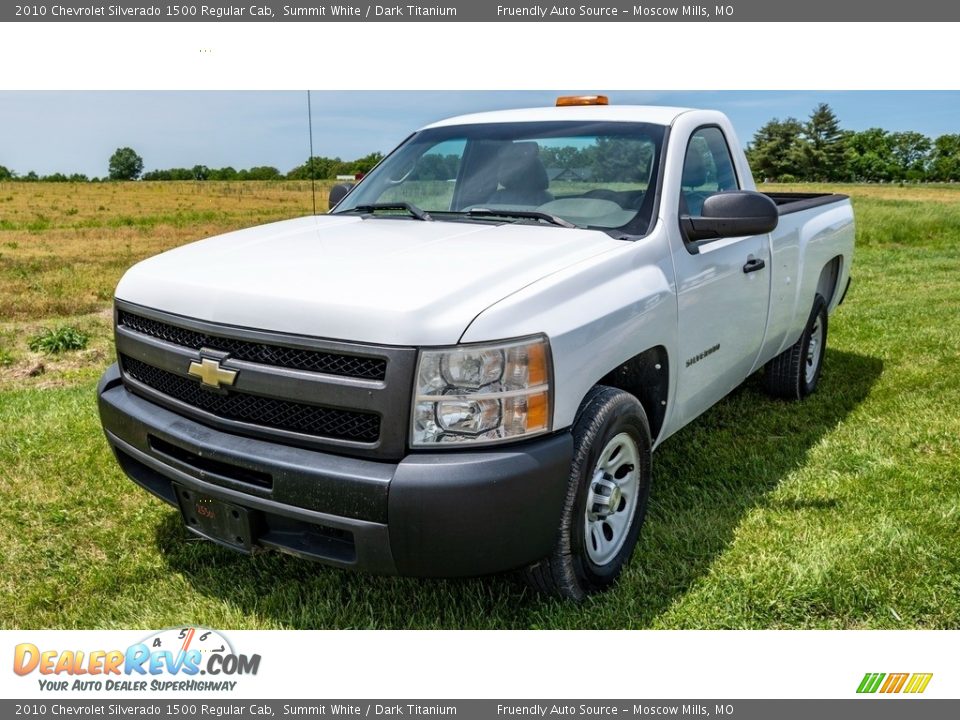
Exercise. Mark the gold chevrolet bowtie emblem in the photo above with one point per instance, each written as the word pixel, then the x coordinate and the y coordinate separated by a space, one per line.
pixel 211 374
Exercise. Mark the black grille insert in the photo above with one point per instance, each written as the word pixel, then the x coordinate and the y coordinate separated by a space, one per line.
pixel 367 368
pixel 270 412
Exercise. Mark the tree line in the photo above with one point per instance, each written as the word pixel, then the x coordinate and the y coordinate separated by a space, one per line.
pixel 126 164
pixel 819 150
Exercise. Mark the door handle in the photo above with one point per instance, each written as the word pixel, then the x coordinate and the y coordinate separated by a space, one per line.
pixel 754 264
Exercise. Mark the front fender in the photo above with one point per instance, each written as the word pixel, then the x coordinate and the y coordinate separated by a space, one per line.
pixel 598 314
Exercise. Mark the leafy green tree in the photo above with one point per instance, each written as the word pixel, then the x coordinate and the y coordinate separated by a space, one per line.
pixel 263 172
pixel 945 159
pixel 911 154
pixel 227 173
pixel 125 164
pixel 776 150
pixel 6 174
pixel 868 156
pixel 317 167
pixel 200 172
pixel 169 174
pixel 823 145
pixel 364 164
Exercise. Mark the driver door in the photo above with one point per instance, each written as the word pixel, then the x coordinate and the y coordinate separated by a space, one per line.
pixel 723 286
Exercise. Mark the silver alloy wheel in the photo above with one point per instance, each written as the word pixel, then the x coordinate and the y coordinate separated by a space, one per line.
pixel 612 499
pixel 813 350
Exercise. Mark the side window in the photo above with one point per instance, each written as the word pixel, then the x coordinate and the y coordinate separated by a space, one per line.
pixel 707 169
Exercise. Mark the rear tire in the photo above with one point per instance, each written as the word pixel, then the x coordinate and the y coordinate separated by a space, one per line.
pixel 606 500
pixel 794 373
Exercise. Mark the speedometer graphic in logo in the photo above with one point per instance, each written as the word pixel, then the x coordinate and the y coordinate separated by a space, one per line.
pixel 184 639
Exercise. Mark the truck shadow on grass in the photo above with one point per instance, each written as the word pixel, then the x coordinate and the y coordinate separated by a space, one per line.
pixel 706 478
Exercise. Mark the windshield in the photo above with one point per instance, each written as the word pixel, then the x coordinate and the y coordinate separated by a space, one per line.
pixel 590 174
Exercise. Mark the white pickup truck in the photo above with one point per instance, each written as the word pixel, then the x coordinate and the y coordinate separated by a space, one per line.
pixel 465 366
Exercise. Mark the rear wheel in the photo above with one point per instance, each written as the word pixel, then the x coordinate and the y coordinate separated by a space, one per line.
pixel 606 498
pixel 795 372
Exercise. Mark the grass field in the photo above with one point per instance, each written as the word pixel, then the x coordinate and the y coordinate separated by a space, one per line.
pixel 841 512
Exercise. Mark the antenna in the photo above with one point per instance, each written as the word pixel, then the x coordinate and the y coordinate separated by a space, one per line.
pixel 313 171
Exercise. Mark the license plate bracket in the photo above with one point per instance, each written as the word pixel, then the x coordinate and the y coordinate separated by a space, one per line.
pixel 212 519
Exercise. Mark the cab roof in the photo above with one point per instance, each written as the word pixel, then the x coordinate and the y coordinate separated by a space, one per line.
pixel 654 114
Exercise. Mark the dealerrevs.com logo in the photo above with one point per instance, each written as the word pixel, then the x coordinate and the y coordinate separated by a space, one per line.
pixel 179 659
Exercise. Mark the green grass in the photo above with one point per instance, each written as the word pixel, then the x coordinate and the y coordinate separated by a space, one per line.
pixel 839 512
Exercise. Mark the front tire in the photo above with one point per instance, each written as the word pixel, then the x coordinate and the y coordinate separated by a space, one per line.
pixel 794 373
pixel 606 500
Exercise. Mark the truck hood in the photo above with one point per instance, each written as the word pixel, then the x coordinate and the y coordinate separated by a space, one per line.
pixel 392 281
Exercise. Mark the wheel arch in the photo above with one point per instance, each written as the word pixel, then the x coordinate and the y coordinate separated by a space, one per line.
pixel 829 281
pixel 646 376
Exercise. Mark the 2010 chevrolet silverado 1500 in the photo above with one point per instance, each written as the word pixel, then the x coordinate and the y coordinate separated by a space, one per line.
pixel 464 367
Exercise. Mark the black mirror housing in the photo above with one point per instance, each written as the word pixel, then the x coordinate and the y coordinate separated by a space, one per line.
pixel 731 214
pixel 338 193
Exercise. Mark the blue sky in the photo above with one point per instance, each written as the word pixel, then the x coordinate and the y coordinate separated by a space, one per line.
pixel 76 131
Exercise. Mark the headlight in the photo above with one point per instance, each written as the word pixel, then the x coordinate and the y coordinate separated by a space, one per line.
pixel 476 394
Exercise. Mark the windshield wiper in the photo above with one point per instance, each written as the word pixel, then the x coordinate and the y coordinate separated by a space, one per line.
pixel 531 214
pixel 409 207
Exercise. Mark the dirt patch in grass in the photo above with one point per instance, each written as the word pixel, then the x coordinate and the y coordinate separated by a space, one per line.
pixel 24 368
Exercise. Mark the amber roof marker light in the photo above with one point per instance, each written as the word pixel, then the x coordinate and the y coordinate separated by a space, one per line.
pixel 568 100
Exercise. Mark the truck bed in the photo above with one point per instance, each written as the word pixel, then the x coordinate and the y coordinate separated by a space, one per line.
pixel 791 202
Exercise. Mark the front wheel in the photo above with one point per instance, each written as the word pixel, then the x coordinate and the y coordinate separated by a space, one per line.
pixel 606 497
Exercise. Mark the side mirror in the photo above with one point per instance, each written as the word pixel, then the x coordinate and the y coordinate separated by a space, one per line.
pixel 731 214
pixel 338 193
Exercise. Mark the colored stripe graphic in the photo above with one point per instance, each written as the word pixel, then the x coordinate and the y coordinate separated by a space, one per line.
pixel 870 682
pixel 894 683
pixel 918 682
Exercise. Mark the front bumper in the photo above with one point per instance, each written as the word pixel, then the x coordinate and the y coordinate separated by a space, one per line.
pixel 432 514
